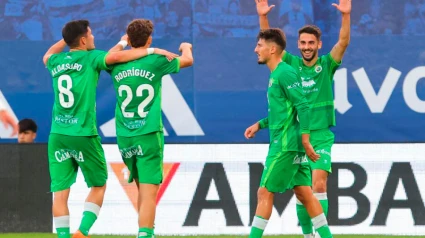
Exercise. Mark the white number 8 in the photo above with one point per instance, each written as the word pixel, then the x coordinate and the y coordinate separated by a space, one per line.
pixel 65 91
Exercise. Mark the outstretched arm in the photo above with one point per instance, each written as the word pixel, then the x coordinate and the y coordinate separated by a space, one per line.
pixel 338 50
pixel 133 55
pixel 263 9
pixel 54 49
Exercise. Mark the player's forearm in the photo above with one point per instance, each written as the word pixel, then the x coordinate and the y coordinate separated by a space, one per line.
pixel 127 55
pixel 57 47
pixel 264 123
pixel 264 22
pixel 54 49
pixel 186 59
pixel 344 33
pixel 116 48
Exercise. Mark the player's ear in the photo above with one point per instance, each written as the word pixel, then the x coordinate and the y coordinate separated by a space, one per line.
pixel 83 41
pixel 320 44
pixel 149 41
pixel 129 42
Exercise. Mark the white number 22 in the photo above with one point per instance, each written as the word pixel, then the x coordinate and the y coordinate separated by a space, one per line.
pixel 139 93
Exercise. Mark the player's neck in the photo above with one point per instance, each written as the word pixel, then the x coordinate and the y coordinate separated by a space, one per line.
pixel 78 48
pixel 310 63
pixel 273 63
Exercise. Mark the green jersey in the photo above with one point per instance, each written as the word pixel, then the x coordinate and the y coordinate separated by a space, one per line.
pixel 317 85
pixel 286 100
pixel 75 76
pixel 138 89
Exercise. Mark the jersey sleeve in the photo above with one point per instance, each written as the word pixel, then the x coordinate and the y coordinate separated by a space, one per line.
pixel 99 59
pixel 168 67
pixel 290 83
pixel 264 123
pixel 331 64
pixel 51 61
pixel 289 58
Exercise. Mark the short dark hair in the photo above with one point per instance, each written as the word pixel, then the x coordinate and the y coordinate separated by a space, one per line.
pixel 311 29
pixel 27 125
pixel 73 31
pixel 275 35
pixel 138 32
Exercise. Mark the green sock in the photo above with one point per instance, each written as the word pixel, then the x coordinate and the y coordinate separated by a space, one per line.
pixel 91 211
pixel 258 226
pixel 304 218
pixel 321 226
pixel 323 199
pixel 145 232
pixel 62 226
pixel 63 232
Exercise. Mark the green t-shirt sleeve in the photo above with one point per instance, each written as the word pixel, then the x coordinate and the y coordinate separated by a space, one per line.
pixel 264 123
pixel 51 61
pixel 332 65
pixel 168 67
pixel 290 83
pixel 289 58
pixel 99 59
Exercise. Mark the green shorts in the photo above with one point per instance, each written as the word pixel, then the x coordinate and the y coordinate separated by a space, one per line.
pixel 322 142
pixel 67 153
pixel 285 170
pixel 143 156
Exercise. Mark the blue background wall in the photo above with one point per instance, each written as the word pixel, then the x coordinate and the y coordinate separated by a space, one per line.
pixel 226 88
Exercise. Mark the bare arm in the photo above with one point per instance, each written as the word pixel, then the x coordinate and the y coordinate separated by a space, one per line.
pixel 54 49
pixel 186 59
pixel 338 50
pixel 263 9
pixel 125 55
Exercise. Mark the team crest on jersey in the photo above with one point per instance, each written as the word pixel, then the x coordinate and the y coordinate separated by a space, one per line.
pixel 318 69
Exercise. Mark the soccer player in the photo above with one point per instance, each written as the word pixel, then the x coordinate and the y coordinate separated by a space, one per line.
pixel 74 141
pixel 317 75
pixel 138 117
pixel 286 164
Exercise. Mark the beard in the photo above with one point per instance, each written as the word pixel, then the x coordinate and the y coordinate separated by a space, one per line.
pixel 313 54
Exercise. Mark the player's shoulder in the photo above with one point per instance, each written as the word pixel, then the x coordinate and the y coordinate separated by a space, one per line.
pixel 284 67
pixel 96 52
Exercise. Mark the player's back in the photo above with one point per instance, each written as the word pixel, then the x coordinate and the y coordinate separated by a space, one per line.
pixel 138 88
pixel 75 76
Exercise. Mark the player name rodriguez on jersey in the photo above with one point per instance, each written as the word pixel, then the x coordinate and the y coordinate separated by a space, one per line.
pixel 134 73
pixel 138 89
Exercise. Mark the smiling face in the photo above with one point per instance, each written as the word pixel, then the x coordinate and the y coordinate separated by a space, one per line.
pixel 309 42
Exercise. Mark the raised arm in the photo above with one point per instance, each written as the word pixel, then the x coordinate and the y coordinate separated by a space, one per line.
pixel 54 49
pixel 186 59
pixel 263 9
pixel 338 50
